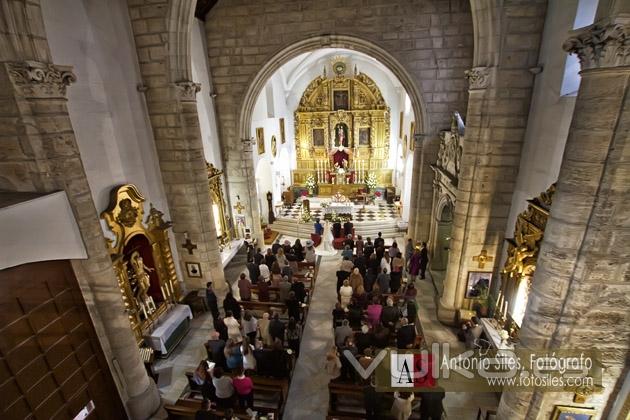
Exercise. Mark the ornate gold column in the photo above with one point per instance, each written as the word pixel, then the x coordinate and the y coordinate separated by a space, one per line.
pixel 579 297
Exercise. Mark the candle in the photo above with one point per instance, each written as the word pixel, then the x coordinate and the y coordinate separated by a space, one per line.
pixel 506 309
pixel 164 294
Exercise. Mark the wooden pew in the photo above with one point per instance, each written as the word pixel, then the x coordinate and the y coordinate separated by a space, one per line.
pixel 353 404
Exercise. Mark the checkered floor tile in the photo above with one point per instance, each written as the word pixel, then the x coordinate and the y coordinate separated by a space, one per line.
pixel 383 212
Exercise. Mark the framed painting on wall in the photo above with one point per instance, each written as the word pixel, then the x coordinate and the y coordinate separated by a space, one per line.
pixel 478 284
pixel 400 126
pixel 274 146
pixel 193 269
pixel 260 140
pixel 364 136
pixel 404 146
pixel 318 137
pixel 283 138
pixel 340 100
pixel 412 129
pixel 564 412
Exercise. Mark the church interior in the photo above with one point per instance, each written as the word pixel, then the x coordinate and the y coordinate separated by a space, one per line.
pixel 291 209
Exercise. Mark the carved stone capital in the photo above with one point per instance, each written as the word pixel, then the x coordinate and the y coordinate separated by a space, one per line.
pixel 247 145
pixel 40 80
pixel 601 45
pixel 187 90
pixel 478 77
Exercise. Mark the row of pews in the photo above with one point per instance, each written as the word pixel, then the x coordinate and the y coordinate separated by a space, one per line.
pixel 270 394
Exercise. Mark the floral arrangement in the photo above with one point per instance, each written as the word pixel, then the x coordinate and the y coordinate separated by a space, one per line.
pixel 504 335
pixel 378 194
pixel 303 193
pixel 306 217
pixel 310 183
pixel 370 180
pixel 336 218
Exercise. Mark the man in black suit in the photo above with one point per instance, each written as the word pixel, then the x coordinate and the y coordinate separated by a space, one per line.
pixel 276 328
pixel 298 288
pixel 347 228
pixel 406 335
pixel 379 242
pixel 214 348
pixel 431 404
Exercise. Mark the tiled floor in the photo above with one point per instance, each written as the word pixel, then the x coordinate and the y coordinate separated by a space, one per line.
pixel 379 212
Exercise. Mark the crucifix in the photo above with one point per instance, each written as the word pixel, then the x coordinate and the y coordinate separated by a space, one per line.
pixel 239 207
pixel 189 245
pixel 482 258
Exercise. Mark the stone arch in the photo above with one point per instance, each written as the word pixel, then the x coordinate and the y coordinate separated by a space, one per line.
pixel 330 41
pixel 443 225
pixel 446 208
pixel 179 31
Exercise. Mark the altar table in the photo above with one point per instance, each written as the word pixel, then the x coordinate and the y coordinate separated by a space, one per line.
pixel 340 208
pixel 173 325
pixel 493 335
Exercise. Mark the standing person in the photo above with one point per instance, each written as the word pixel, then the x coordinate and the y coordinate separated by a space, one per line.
pixel 293 306
pixel 224 388
pixel 309 252
pixel 263 290
pixel 345 294
pixel 283 289
pixel 359 246
pixel 401 409
pixel 379 241
pixel 233 355
pixel 244 387
pixel 396 276
pixel 300 291
pixel 383 281
pixel 424 259
pixel 355 279
pixel 244 288
pixel 233 326
pixel 413 266
pixel 347 252
pixel 276 246
pixel 276 328
pixel 393 250
pixel 265 273
pixel 431 404
pixel 270 259
pixel 409 249
pixel 347 228
pixel 368 248
pixel 247 352
pixel 332 365
pixel 250 326
pixel 211 299
pixel 298 249
pixel 319 228
pixel 293 332
pixel 259 258
pixel 230 304
pixel 263 328
pixel 254 272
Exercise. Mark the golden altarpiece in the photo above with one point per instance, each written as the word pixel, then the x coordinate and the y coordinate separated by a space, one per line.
pixel 342 129
pixel 142 258
pixel 222 222
pixel 520 265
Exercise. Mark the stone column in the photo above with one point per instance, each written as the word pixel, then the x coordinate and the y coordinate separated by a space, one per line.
pixel 424 196
pixel 500 87
pixel 580 293
pixel 251 197
pixel 416 180
pixel 161 31
pixel 40 154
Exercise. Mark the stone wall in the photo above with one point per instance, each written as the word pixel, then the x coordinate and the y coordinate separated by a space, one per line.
pixel 500 91
pixel 162 32
pixel 432 40
pixel 40 154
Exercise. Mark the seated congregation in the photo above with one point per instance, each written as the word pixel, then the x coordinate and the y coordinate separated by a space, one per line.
pixel 253 349
pixel 376 310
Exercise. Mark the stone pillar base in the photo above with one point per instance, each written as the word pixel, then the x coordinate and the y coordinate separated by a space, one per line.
pixel 446 315
pixel 143 406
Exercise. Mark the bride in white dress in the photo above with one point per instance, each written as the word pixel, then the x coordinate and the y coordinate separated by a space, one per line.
pixel 327 241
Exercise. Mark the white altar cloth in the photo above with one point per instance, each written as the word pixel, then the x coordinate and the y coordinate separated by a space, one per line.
pixel 168 324
pixel 340 208
pixel 493 335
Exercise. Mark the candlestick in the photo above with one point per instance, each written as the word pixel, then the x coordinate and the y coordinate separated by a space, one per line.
pixel 164 294
pixel 144 312
pixel 506 309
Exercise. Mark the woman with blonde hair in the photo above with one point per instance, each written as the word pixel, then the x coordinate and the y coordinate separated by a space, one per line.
pixel 263 329
pixel 356 279
pixel 345 294
pixel 333 363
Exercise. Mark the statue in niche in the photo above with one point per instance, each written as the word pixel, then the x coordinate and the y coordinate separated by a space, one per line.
pixel 141 275
pixel 340 158
pixel 341 135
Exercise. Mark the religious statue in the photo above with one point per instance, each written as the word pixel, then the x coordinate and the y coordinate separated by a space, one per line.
pixel 341 135
pixel 341 158
pixel 141 275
